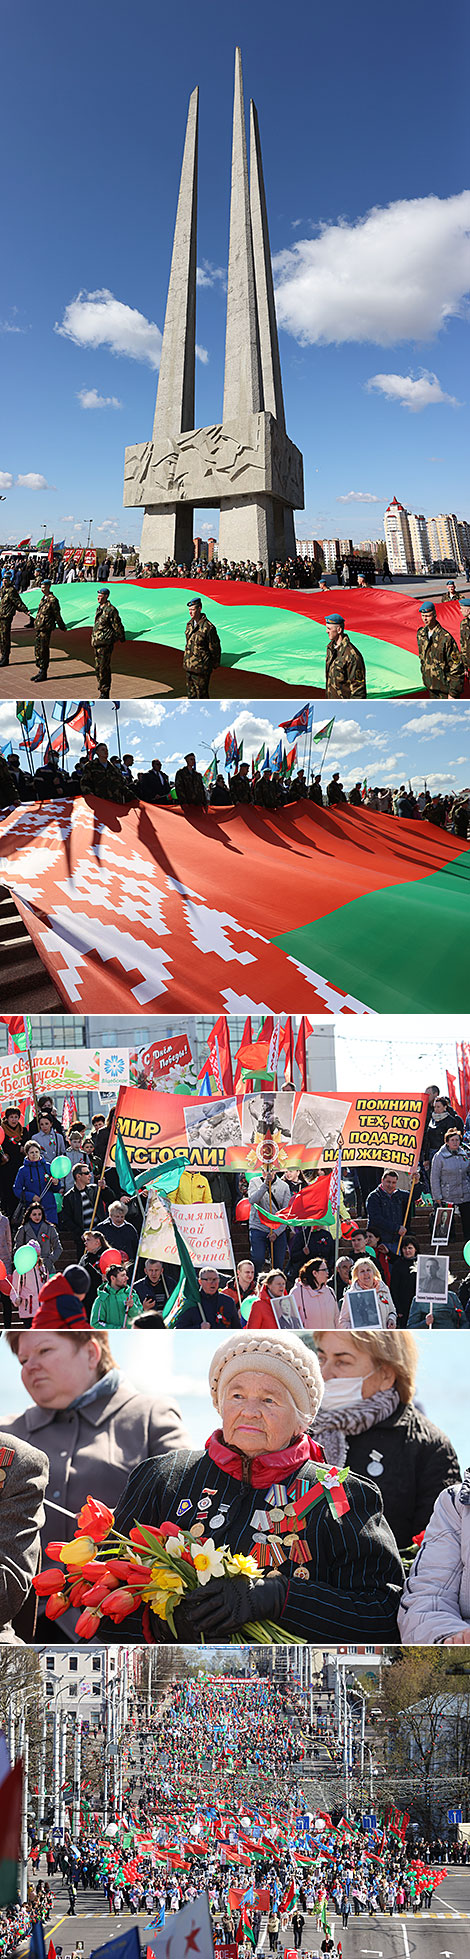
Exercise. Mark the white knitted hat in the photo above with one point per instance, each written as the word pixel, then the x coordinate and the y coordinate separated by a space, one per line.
pixel 282 1354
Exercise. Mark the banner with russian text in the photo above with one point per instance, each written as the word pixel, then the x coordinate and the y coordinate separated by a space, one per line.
pixel 275 1130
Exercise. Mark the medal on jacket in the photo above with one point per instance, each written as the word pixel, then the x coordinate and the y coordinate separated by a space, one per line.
pixel 376 1465
pixel 7 1456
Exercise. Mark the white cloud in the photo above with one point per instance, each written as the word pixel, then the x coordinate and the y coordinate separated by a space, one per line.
pixel 430 727
pixel 360 496
pixel 424 391
pixel 202 355
pixel 89 398
pixel 210 275
pixel 8 326
pixel 6 481
pixel 32 481
pixel 110 524
pixel 397 274
pixel 97 319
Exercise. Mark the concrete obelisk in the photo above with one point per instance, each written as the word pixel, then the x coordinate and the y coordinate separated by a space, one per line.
pixel 245 464
pixel 167 531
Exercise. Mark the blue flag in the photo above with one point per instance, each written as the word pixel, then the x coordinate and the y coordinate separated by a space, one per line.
pixel 302 722
pixel 126 1947
pixel 37 1949
pixel 277 757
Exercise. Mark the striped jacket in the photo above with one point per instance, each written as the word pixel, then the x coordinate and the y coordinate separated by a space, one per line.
pixel 355 1576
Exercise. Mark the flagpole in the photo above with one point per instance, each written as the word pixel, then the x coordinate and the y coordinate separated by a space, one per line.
pixel 45 721
pixel 104 1169
pixel 118 737
pixel 30 1066
pixel 23 725
pixel 338 1202
pixel 136 1261
pixel 312 725
pixel 328 738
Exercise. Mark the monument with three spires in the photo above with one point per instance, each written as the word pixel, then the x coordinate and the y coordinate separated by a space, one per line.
pixel 246 464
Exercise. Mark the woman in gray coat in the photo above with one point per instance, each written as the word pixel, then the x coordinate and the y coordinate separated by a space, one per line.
pixel 92 1423
pixel 435 1608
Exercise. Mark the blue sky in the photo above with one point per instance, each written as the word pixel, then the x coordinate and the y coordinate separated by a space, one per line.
pixel 178 1363
pixel 355 117
pixel 385 742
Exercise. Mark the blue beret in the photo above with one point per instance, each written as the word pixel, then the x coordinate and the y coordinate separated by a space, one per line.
pixel 104 588
pixel 334 619
pixel 465 599
pixel 427 606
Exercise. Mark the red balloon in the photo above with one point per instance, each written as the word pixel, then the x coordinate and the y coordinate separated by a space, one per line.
pixel 108 1258
pixel 3 1269
pixel 243 1210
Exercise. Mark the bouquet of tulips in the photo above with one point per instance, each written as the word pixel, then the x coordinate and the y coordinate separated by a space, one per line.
pixel 109 1576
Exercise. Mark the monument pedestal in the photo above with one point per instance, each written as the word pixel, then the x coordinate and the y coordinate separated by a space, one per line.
pixel 167 532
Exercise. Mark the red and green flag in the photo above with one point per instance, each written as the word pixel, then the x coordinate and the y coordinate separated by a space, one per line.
pixel 11 1799
pixel 333 911
pixel 19 1032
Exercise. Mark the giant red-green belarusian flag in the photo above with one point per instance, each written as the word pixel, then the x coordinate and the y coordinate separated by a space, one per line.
pixel 266 631
pixel 326 911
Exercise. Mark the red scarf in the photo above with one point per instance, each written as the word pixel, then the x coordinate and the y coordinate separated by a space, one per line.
pixel 274 1467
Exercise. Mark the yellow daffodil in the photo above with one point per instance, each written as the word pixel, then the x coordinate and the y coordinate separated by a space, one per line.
pixel 78 1552
pixel 247 1566
pixel 167 1581
pixel 208 1562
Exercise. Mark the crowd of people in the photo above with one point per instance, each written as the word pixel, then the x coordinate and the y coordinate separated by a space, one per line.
pixel 287 1272
pixel 214 1803
pixel 116 779
pixel 292 574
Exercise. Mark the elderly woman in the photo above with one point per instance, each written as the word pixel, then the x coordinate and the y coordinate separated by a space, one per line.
pixel 368 1419
pixel 365 1277
pixel 313 1296
pixel 328 1566
pixel 91 1422
pixel 435 1608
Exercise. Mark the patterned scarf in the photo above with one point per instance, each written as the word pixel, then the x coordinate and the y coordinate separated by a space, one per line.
pixel 333 1427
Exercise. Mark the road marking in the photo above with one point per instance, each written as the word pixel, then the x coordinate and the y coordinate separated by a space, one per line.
pixel 405 1942
pixel 455 1914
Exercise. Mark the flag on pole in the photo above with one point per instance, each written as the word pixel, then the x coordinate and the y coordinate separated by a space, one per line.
pixel 246 1041
pixel 323 734
pixel 123 1167
pixel 57 745
pixel 34 737
pixel 50 553
pixel 19 1032
pixel 24 543
pixel 59 710
pixel 186 1292
pixel 25 712
pixel 300 1054
pixel 277 757
pixel 258 759
pixel 11 1802
pixel 290 760
pixel 301 723
pixel 209 775
pixel 79 715
pixel 69 1110
pixel 266 764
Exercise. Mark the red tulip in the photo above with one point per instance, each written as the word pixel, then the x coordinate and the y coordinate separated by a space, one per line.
pixel 48 1582
pixel 56 1604
pixel 93 1568
pixel 93 1594
pixel 77 1593
pixel 135 1575
pixel 54 1549
pixel 119 1604
pixel 137 1537
pixel 95 1520
pixel 169 1530
pixel 88 1623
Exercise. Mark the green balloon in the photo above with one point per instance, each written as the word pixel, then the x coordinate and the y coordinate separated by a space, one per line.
pixel 60 1166
pixel 25 1258
pixel 466 1252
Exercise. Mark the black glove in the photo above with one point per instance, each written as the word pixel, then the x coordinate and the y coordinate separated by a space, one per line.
pixel 225 1605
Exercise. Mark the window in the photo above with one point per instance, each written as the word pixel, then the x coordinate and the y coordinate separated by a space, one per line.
pixel 96 1689
pixel 96 1666
pixel 73 1664
pixel 73 1691
pixel 50 1662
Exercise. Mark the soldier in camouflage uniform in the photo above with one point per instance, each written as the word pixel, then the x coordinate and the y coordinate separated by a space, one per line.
pixel 100 777
pixel 48 617
pixel 345 670
pixel 10 602
pixel 202 652
pixel 465 633
pixel 189 786
pixel 107 628
pixel 442 666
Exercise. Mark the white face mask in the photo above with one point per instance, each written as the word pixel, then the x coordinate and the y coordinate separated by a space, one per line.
pixel 339 1394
